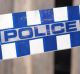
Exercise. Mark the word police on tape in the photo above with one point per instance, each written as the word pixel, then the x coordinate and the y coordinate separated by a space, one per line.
pixel 16 34
pixel 33 32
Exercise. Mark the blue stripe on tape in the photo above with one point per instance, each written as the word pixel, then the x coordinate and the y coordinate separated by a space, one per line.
pixel 49 43
pixel 0 53
pixel 22 48
pixel 0 48
pixel 73 13
pixel 46 16
pixel 75 39
pixel 19 20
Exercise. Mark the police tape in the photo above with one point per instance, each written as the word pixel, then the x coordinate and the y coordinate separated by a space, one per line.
pixel 34 32
pixel 17 42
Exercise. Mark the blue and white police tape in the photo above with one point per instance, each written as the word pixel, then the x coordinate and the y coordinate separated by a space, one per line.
pixel 36 17
pixel 17 42
pixel 38 31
